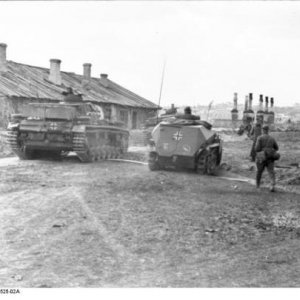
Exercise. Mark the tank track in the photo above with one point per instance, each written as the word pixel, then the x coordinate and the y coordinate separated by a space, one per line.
pixel 91 153
pixel 211 162
pixel 207 162
pixel 12 141
pixel 201 164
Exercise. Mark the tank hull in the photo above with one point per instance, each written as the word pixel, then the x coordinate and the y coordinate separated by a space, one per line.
pixel 89 138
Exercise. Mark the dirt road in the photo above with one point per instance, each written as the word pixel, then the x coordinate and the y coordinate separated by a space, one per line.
pixel 113 224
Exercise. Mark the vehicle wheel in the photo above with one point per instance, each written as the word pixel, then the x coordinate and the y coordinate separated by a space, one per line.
pixel 219 157
pixel 211 162
pixel 201 164
pixel 153 162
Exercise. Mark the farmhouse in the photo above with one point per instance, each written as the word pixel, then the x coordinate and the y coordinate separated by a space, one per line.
pixel 21 84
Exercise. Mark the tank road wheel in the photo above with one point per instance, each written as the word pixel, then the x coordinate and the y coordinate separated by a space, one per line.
pixel 98 153
pixel 104 152
pixel 153 161
pixel 81 148
pixel 16 147
pixel 101 152
pixel 92 153
pixel 118 152
pixel 109 152
pixel 219 157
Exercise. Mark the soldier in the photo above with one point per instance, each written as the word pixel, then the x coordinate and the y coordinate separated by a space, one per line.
pixel 187 114
pixel 187 110
pixel 265 143
pixel 254 134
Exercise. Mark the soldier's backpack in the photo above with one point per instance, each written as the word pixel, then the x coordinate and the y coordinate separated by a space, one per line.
pixel 271 153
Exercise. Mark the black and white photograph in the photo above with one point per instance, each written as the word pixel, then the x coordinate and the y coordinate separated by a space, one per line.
pixel 149 144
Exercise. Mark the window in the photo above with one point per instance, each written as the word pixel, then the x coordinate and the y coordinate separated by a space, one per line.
pixel 107 113
pixel 124 116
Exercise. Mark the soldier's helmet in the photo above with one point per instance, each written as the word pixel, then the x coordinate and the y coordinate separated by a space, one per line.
pixel 266 128
pixel 188 110
pixel 68 92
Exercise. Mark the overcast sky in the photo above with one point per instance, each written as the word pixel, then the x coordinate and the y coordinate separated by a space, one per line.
pixel 212 49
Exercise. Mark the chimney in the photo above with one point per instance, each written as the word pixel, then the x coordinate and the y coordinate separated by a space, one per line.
pixel 267 103
pixel 272 104
pixel 55 75
pixel 250 101
pixel 3 66
pixel 234 111
pixel 260 112
pixel 261 102
pixel 271 119
pixel 87 71
pixel 104 79
pixel 246 104
pixel 235 100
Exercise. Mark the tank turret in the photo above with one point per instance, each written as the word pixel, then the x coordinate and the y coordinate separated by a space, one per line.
pixel 70 97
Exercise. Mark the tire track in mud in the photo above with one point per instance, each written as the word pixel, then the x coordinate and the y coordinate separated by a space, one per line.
pixel 134 272
pixel 21 259
pixel 24 209
pixel 18 260
pixel 97 225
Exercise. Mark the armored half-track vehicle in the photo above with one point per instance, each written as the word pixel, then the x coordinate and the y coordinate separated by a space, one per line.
pixel 184 143
pixel 73 125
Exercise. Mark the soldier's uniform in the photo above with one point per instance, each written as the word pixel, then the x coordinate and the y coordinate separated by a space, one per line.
pixel 263 142
pixel 255 133
pixel 187 115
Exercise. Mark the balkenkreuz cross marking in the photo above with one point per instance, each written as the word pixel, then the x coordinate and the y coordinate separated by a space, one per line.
pixel 177 136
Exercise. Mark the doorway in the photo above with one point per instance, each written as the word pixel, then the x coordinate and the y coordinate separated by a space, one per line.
pixel 134 120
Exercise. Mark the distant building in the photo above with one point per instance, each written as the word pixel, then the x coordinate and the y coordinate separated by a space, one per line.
pixel 21 84
pixel 282 118
pixel 266 116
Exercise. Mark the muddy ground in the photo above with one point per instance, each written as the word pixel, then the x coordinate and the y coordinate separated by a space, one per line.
pixel 114 224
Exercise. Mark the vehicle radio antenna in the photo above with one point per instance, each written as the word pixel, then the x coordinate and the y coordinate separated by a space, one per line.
pixel 161 87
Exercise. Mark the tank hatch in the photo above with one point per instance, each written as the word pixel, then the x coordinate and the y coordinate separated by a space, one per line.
pixel 70 97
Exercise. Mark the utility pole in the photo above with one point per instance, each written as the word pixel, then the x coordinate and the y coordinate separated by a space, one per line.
pixel 209 107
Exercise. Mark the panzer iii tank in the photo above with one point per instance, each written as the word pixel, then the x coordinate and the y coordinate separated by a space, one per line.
pixel 185 143
pixel 72 125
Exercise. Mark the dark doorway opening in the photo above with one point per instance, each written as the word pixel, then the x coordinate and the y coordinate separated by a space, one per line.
pixel 134 120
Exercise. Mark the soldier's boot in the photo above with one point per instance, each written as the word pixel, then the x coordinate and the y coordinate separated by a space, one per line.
pixel 272 186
